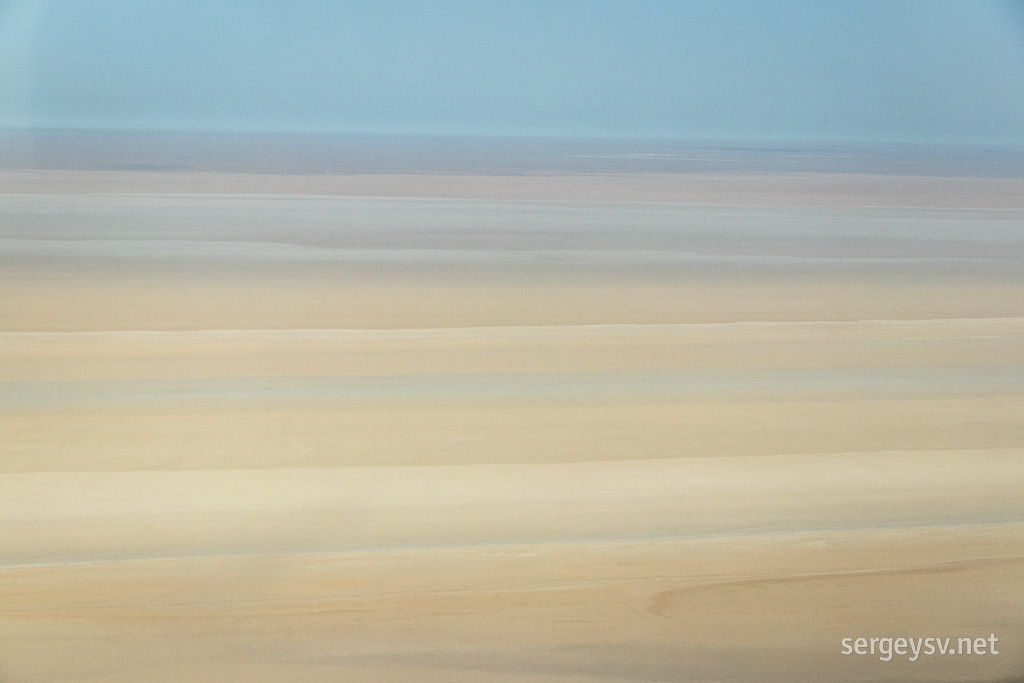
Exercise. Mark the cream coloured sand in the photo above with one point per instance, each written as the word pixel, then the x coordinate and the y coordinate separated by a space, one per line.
pixel 525 435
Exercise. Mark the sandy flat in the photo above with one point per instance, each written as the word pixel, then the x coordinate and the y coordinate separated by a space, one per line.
pixel 520 428
pixel 758 607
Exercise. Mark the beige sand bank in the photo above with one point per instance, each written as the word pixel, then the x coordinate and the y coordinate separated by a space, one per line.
pixel 76 516
pixel 769 607
pixel 335 398
pixel 515 429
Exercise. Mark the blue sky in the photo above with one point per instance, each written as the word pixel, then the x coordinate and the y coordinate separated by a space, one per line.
pixel 882 70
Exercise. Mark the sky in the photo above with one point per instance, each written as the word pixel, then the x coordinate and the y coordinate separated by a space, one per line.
pixel 810 70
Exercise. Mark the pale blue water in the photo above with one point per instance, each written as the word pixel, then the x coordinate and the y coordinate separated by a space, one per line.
pixel 520 386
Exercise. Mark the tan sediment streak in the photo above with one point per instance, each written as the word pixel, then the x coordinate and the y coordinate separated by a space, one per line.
pixel 125 354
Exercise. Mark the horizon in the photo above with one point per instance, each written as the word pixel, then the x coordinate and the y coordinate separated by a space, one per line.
pixel 305 152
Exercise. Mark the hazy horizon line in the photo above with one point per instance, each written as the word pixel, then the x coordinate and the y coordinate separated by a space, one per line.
pixel 701 141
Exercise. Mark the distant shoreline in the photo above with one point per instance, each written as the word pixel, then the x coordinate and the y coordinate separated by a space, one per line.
pixel 305 154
